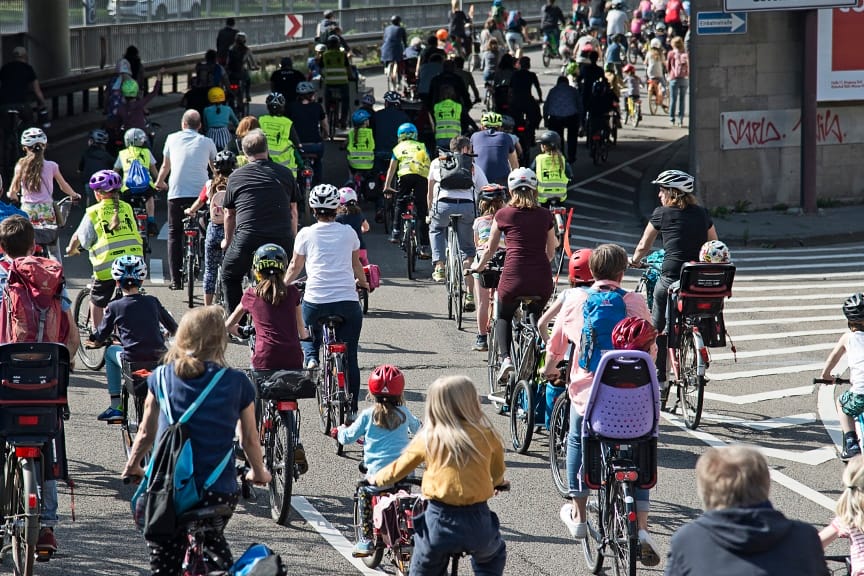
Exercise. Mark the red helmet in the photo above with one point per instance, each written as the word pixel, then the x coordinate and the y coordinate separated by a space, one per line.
pixel 579 271
pixel 386 380
pixel 633 333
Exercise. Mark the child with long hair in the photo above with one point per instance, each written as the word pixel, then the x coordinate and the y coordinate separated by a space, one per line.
pixel 349 213
pixel 492 198
pixel 849 521
pixel 34 179
pixel 385 427
pixel 464 458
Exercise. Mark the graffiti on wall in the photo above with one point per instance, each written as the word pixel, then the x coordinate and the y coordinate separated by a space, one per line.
pixel 782 128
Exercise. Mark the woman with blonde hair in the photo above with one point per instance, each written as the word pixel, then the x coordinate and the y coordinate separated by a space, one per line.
pixel 244 126
pixel 678 68
pixel 464 458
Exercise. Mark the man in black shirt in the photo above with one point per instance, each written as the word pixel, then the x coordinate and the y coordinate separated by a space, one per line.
pixel 550 18
pixel 17 81
pixel 224 40
pixel 285 80
pixel 260 207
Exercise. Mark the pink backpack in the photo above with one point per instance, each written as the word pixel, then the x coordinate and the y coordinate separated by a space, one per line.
pixel 31 310
pixel 373 276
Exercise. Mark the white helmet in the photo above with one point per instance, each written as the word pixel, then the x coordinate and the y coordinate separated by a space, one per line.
pixel 522 177
pixel 714 251
pixel 305 88
pixel 675 179
pixel 346 195
pixel 656 43
pixel 33 136
pixel 135 137
pixel 129 270
pixel 324 196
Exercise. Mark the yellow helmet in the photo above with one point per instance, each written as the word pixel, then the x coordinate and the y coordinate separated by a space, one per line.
pixel 216 95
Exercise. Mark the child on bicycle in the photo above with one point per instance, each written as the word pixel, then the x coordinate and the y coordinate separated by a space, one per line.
pixel 410 163
pixel 136 142
pixel 464 458
pixel 848 523
pixel 385 428
pixel 850 404
pixel 607 264
pixel 350 214
pixel 492 198
pixel 136 319
pixel 632 84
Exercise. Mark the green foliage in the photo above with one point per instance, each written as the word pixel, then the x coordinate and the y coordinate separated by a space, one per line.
pixel 741 206
pixel 781 207
pixel 720 212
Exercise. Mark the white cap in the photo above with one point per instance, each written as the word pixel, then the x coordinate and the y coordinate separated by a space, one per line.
pixel 19 52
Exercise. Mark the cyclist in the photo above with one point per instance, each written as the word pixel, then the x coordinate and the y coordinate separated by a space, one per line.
pixel 446 115
pixel 246 125
pixel 330 253
pixel 286 79
pixel 632 88
pixel 655 69
pixel 107 231
pixel 607 263
pixel 552 169
pixel 310 123
pixel 392 47
pixel 350 214
pixel 464 458
pixel 411 164
pixel 385 127
pixel 847 523
pixel 326 26
pixel 617 21
pixel 515 33
pixel 496 153
pixel 563 111
pixel 136 319
pixel 133 110
pixel 492 198
pixel 282 139
pixel 508 125
pixel 219 119
pixel 361 143
pixel 459 36
pixel 551 18
pixel 240 61
pixel 19 81
pixel 136 149
pixel 336 70
pixel 313 63
pixel 95 158
pixel 385 428
pixel 467 78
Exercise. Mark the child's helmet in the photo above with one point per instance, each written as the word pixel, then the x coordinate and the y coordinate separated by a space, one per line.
pixel 135 137
pixel 407 131
pixel 269 259
pixel 216 95
pixel 225 161
pixel 551 139
pixel 491 120
pixel 129 88
pixel 578 269
pixel 346 195
pixel 629 68
pixel 105 181
pixel 442 34
pixel 714 251
pixel 633 333
pixel 367 100
pixel 522 178
pixel 129 270
pixel 392 97
pixel 853 308
pixel 324 196
pixel 656 43
pixel 275 102
pixel 491 192
pixel 386 380
pixel 304 88
pixel 99 136
pixel 33 136
pixel 360 116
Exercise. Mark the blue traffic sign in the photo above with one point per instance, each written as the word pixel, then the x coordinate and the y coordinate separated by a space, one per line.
pixel 721 23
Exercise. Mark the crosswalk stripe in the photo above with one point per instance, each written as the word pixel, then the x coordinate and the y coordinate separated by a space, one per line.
pixel 780 309
pixel 613 184
pixel 773 351
pixel 759 396
pixel 791 266
pixel 817 276
pixel 791 260
pixel 163 232
pixel 632 172
pixel 792 298
pixel 762 425
pixel 157 274
pixel 853 248
pixel 793 369
pixel 796 320
pixel 795 334
pixel 627 213
pixel 604 196
pixel 788 287
pixel 615 232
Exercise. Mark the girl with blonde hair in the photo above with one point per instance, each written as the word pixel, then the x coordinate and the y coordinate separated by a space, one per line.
pixel 849 521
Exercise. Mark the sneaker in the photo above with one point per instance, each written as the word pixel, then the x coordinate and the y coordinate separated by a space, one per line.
pixel 111 415
pixel 481 344
pixel 850 452
pixel 438 275
pixel 469 302
pixel 300 459
pixel 648 555
pixel 312 364
pixel 362 548
pixel 578 530
pixel 47 540
pixel 425 253
pixel 506 368
pixel 394 236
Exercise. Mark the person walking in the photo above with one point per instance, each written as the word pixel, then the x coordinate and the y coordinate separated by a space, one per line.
pixel 678 67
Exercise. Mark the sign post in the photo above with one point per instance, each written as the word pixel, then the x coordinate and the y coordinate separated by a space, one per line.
pixel 708 23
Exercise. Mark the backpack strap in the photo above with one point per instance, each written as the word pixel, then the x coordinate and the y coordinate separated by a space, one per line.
pixel 165 403
pixel 217 472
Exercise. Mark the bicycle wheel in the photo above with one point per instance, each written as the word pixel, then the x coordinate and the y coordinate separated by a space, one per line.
pixel 127 435
pixel 691 386
pixel 593 541
pixel 281 465
pixel 189 275
pixel 456 277
pixel 323 396
pixel 448 282
pixel 559 428
pixel 547 59
pixel 340 415
pixel 493 364
pixel 410 249
pixel 522 416
pixel 218 296
pixel 92 358
pixel 364 299
pixel 374 560
pixel 652 100
pixel 623 536
pixel 632 55
pixel 25 533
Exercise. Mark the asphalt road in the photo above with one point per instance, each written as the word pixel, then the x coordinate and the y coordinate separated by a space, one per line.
pixel 784 318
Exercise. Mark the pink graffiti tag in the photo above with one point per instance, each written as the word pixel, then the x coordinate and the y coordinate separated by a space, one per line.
pixel 828 127
pixel 753 132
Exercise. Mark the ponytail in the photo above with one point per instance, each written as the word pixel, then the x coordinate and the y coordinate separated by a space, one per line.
pixel 115 218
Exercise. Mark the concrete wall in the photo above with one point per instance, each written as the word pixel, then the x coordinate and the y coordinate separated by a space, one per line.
pixel 761 71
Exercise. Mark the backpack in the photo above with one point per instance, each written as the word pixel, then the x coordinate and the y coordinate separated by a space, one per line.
pixel 31 310
pixel 457 171
pixel 169 488
pixel 680 65
pixel 217 201
pixel 601 312
pixel 137 178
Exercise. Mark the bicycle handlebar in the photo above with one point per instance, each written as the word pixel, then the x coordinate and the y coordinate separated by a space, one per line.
pixel 831 381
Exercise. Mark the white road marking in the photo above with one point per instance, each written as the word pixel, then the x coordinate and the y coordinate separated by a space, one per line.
pixel 614 184
pixel 816 277
pixel 621 166
pixel 773 351
pixel 163 233
pixel 772 309
pixel 855 248
pixel 627 213
pixel 794 369
pixel 828 414
pixel 762 425
pixel 797 320
pixel 757 396
pixel 157 274
pixel 791 266
pixel 792 260
pixel 793 298
pixel 632 172
pixel 787 287
pixel 777 335
pixel 589 229
pixel 604 196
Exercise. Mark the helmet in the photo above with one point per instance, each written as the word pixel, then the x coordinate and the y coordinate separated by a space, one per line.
pixel 324 196
pixel 396 20
pixel 105 181
pixel 714 251
pixel 332 41
pixel 328 13
pixel 442 34
pixel 550 138
pixel 629 68
pixel 129 88
pixel 216 95
pixel 660 27
pixel 578 269
pixel 491 192
pixel 656 43
pixel 286 63
pixel 507 122
pixel 367 100
pixel 407 131
pixel 675 179
pixel 360 116
pixel 497 2
pixel 610 67
pixel 129 270
pixel 123 66
pixel 853 308
pixel 617 3
pixel 346 195
pixel 305 88
pixel 241 36
pixel 522 178
pixel 491 120
pixel 33 136
pixel 135 137
pixel 633 333
pixel 275 102
pixel 392 97
pixel 320 47
pixel 386 380
pixel 225 161
pixel 99 136
pixel 269 259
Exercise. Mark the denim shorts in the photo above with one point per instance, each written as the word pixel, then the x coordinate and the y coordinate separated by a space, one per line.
pixel 851 403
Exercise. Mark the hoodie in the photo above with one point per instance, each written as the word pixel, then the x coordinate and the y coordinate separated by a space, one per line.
pixel 757 541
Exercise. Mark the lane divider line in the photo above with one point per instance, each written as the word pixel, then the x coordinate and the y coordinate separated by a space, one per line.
pixel 759 396
pixel 157 273
pixel 795 369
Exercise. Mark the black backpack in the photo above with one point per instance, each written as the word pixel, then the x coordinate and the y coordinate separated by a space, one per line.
pixel 457 171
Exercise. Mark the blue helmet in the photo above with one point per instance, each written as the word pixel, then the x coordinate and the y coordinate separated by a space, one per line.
pixel 360 116
pixel 407 131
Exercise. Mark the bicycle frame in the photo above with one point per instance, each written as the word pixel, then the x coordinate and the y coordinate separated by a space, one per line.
pixel 332 392
pixel 23 478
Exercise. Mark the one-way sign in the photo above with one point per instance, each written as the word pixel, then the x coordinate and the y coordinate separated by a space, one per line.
pixel 721 23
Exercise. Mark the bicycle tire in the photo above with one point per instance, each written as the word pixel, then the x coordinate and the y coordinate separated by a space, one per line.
pixel 522 416
pixel 25 537
pixel 448 281
pixel 374 560
pixel 323 396
pixel 592 544
pixel 559 428
pixel 547 59
pixel 282 465
pixel 595 153
pixel 218 296
pixel 652 102
pixel 632 56
pixel 623 536
pixel 457 278
pixel 493 363
pixel 691 386
pixel 189 275
pixel 364 299
pixel 342 399
pixel 410 249
pixel 92 358
pixel 126 434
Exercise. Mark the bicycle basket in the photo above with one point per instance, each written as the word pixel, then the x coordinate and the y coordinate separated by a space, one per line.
pixel 287 385
pixel 45 234
pixel 135 376
pixel 492 274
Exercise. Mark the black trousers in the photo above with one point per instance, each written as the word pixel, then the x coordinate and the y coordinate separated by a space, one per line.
pixel 571 124
pixel 413 187
pixel 238 261
pixel 176 237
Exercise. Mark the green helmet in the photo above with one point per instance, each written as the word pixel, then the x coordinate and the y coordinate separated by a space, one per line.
pixel 129 88
pixel 491 120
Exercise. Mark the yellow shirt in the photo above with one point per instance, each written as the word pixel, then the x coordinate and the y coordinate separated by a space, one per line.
pixel 471 484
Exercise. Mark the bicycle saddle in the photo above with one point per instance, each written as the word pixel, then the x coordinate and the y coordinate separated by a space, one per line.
pixel 204 514
pixel 334 319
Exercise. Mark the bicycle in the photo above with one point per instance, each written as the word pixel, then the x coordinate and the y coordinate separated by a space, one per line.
pixel 598 136
pixel 559 429
pixel 192 254
pixel 657 96
pixel 47 236
pixel 550 50
pixel 396 544
pixel 409 242
pixel 237 100
pixel 489 279
pixel 139 209
pixel 334 401
pixel 651 270
pixel 333 98
pixel 525 350
pixel 558 212
pixel 132 397
pixel 633 113
pixel 93 357
pixel 455 276
pixel 307 174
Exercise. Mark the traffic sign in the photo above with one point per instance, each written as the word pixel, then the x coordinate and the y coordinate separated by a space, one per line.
pixel 721 23
pixel 755 5
pixel 293 25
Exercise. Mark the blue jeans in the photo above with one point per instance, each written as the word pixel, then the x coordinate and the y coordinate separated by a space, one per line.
pixel 347 332
pixel 114 369
pixel 678 94
pixel 441 212
pixel 443 530
pixel 49 516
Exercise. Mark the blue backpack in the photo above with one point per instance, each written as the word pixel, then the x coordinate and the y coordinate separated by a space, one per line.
pixel 602 311
pixel 138 177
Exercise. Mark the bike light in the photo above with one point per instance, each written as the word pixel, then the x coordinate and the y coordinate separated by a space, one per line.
pixel 338 348
pixel 704 305
pixel 32 501
pixel 631 516
pixel 703 352
pixel 626 476
pixel 340 380
pixel 141 216
pixel 28 420
pixel 407 216
pixel 191 233
pixel 233 86
pixel 27 451
pixel 596 137
pixel 520 128
pixel 286 405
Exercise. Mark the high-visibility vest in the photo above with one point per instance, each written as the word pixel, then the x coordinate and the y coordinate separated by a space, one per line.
pixel 448 124
pixel 551 177
pixel 412 158
pixel 111 244
pixel 278 132
pixel 361 149
pixel 334 64
pixel 127 155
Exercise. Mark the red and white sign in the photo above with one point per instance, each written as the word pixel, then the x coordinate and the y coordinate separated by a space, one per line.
pixel 293 26
pixel 840 57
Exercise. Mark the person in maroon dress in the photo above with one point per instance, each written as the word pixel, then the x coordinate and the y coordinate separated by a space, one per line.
pixel 531 243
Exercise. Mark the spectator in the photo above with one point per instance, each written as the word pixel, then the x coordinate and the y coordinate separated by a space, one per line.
pixel 562 111
pixel 224 40
pixel 285 79
pixel 17 82
pixel 678 67
pixel 740 533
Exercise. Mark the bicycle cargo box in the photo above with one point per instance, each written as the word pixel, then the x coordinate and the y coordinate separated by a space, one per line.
pixel 29 421
pixel 33 373
pixel 287 385
pixel 641 454
pixel 134 377
pixel 712 281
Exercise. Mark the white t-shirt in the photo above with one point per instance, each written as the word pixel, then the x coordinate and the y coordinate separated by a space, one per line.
pixel 189 153
pixel 327 247
pixel 616 23
pixel 855 356
pixel 580 45
pixel 479 178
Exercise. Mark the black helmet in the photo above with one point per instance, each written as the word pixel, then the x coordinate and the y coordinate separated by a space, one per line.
pixel 286 63
pixel 550 138
pixel 332 41
pixel 269 259
pixel 275 102
pixel 853 308
pixel 395 19
pixel 225 161
pixel 491 192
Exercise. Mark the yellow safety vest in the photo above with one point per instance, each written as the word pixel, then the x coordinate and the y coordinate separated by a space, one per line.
pixel 551 177
pixel 110 245
pixel 278 131
pixel 131 153
pixel 448 124
pixel 334 64
pixel 361 149
pixel 412 158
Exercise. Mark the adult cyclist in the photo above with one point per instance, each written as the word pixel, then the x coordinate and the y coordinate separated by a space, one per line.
pixel 551 18
pixel 310 124
pixel 240 61
pixel 337 73
pixel 495 151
